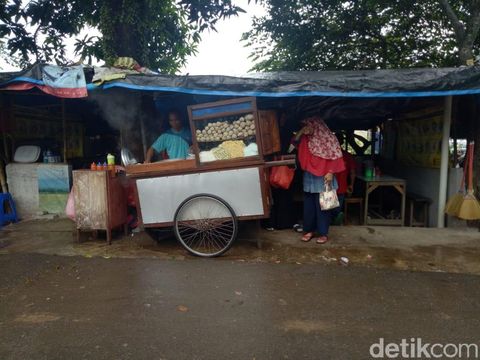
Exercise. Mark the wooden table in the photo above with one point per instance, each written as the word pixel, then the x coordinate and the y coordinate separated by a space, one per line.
pixel 381 181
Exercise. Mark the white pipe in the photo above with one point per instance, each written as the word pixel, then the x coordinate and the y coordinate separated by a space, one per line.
pixel 442 193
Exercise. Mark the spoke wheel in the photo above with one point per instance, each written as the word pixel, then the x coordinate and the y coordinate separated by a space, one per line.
pixel 205 225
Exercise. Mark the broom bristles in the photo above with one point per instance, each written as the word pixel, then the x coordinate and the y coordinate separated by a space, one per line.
pixel 469 208
pixel 454 203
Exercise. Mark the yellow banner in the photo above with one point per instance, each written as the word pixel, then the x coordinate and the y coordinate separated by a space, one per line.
pixel 419 139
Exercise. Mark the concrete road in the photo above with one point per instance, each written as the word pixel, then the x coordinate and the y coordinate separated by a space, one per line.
pixel 55 307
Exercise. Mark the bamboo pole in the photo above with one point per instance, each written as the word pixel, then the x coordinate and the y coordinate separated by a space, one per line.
pixel 442 193
pixel 64 128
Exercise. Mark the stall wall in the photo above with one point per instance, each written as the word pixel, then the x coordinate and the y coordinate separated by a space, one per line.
pixel 39 188
pixel 426 182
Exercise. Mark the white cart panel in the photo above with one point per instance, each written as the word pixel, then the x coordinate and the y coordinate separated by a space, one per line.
pixel 161 196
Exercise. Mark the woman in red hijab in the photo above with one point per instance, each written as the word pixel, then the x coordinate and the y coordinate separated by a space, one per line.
pixel 320 157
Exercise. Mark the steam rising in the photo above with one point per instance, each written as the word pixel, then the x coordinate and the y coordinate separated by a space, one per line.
pixel 120 109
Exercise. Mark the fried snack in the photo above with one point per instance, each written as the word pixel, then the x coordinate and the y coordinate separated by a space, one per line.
pixel 234 148
pixel 220 153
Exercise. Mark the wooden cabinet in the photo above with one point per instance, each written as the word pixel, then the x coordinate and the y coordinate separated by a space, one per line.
pixel 226 131
pixel 100 202
pixel 231 131
pixel 269 131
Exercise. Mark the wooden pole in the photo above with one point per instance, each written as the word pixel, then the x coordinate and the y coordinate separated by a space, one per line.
pixel 64 128
pixel 144 141
pixel 3 180
pixel 8 121
pixel 442 193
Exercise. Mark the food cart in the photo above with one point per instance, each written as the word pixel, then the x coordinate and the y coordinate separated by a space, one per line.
pixel 225 179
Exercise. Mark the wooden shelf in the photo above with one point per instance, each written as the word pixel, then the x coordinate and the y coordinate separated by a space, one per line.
pixel 165 166
pixel 220 141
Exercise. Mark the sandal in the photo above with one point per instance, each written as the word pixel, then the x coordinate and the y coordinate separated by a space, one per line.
pixel 322 239
pixel 307 237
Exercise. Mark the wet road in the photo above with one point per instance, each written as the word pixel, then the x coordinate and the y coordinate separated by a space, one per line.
pixel 55 307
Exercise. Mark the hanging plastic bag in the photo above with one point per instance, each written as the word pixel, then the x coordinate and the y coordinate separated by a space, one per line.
pixel 281 177
pixel 70 208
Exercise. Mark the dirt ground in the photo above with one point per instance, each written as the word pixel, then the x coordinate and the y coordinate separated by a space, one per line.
pixel 414 249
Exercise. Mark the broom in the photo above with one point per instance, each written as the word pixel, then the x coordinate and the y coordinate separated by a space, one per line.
pixel 470 207
pixel 455 202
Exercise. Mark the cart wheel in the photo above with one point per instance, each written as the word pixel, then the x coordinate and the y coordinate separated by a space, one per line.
pixel 205 225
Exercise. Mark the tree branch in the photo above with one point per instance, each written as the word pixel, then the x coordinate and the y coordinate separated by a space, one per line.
pixel 473 26
pixel 457 25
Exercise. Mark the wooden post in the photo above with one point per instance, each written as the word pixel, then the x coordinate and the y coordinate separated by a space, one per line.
pixel 442 192
pixel 144 140
pixel 64 127
pixel 3 180
pixel 7 108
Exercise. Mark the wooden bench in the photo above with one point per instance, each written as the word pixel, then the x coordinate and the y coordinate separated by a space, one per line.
pixel 350 201
pixel 413 202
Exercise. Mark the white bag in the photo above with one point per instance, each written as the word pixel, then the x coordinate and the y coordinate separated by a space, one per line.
pixel 328 198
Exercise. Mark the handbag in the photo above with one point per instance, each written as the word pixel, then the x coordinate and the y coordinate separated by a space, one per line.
pixel 328 198
pixel 281 177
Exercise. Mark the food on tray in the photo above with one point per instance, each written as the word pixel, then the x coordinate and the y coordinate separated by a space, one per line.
pixel 220 153
pixel 225 130
pixel 206 156
pixel 233 147
pixel 251 150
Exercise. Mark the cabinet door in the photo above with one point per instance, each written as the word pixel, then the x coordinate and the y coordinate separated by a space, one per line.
pixel 269 131
pixel 90 189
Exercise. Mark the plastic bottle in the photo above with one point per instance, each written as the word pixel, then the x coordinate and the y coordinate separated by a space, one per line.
pixel 110 159
pixel 49 156
pixel 99 166
pixel 104 166
pixel 93 166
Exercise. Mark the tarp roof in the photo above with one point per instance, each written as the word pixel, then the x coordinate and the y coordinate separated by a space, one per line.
pixel 362 83
pixel 346 99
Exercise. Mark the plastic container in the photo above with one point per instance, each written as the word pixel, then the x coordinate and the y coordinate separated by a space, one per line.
pixel 27 154
pixel 368 172
pixel 110 159
pixel 369 169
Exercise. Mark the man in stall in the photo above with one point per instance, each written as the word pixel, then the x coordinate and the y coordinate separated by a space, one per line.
pixel 175 141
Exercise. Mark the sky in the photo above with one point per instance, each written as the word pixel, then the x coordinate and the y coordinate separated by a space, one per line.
pixel 221 52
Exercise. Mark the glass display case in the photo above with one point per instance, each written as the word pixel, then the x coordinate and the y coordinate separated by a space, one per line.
pixel 226 131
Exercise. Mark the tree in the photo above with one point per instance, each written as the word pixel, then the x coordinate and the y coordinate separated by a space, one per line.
pixel 159 34
pixel 367 34
pixel 464 18
pixel 364 34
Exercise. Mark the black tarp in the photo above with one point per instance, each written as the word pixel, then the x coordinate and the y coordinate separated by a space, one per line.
pixel 346 99
pixel 366 83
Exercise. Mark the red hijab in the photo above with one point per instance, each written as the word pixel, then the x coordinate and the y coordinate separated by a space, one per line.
pixel 320 153
pixel 322 142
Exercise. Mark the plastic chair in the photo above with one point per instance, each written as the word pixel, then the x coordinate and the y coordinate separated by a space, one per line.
pixel 8 212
